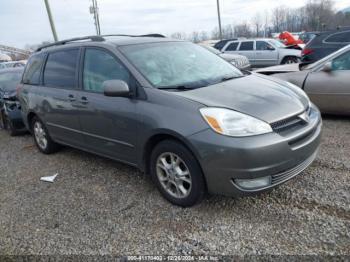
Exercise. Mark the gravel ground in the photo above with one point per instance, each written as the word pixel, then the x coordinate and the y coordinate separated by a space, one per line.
pixel 97 206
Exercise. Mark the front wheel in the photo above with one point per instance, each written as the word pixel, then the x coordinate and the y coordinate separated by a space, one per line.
pixel 42 138
pixel 7 125
pixel 177 174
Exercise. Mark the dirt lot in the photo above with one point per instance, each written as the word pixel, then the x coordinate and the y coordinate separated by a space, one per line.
pixel 97 206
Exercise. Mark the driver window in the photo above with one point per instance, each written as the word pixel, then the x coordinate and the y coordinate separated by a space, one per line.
pixel 263 46
pixel 342 62
pixel 100 66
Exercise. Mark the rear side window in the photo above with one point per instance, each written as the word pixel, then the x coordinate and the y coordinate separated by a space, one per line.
pixel 60 69
pixel 100 66
pixel 31 74
pixel 232 47
pixel 343 37
pixel 247 46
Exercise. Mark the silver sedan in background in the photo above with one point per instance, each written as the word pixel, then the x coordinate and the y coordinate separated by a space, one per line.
pixel 327 81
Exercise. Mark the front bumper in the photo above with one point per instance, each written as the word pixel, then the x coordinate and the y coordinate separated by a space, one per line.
pixel 281 156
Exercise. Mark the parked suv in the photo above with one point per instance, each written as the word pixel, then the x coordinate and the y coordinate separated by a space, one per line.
pixel 178 112
pixel 325 43
pixel 263 52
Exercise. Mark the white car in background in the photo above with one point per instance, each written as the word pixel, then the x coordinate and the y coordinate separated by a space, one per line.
pixel 239 61
pixel 263 52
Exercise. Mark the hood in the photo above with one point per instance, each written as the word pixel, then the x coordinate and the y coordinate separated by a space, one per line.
pixel 279 69
pixel 262 97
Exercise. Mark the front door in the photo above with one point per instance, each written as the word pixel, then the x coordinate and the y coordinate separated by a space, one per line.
pixel 330 91
pixel 108 124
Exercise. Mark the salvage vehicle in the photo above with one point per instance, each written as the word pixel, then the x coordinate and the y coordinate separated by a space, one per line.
pixel 263 52
pixel 239 61
pixel 10 109
pixel 327 82
pixel 178 112
pixel 325 43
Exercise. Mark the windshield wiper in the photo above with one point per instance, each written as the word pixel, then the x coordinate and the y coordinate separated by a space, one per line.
pixel 226 78
pixel 181 87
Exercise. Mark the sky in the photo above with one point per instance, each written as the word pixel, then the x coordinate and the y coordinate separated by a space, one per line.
pixel 25 21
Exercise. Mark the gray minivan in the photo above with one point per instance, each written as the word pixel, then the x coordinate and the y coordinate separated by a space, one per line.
pixel 176 111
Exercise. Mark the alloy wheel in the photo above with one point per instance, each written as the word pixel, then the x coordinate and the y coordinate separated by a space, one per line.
pixel 40 135
pixel 174 175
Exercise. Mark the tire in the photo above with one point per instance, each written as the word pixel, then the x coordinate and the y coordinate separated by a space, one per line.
pixel 11 130
pixel 42 138
pixel 7 125
pixel 289 60
pixel 183 182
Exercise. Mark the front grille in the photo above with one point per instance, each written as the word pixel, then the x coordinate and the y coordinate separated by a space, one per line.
pixel 289 124
pixel 284 176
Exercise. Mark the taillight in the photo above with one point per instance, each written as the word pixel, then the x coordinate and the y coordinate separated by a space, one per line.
pixel 307 51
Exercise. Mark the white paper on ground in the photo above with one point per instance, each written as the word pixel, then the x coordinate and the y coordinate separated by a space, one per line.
pixel 49 178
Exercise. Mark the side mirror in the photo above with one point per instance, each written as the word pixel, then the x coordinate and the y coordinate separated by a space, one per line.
pixel 116 88
pixel 327 67
pixel 270 48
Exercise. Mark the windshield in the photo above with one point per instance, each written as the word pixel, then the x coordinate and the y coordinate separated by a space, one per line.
pixel 277 43
pixel 175 64
pixel 9 80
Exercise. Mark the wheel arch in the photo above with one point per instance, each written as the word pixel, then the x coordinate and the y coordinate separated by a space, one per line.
pixel 158 137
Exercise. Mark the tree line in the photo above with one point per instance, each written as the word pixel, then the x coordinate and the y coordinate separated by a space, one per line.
pixel 315 15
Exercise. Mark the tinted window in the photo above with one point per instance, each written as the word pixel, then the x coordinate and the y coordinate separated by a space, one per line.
pixel 246 46
pixel 60 69
pixel 343 37
pixel 32 72
pixel 100 66
pixel 342 62
pixel 262 45
pixel 232 47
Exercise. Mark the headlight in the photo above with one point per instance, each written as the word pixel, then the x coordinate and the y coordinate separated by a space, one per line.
pixel 232 123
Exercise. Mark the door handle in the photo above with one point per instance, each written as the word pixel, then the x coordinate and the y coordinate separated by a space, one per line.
pixel 84 100
pixel 71 98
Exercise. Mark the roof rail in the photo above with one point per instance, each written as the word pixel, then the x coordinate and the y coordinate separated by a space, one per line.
pixel 146 35
pixel 63 42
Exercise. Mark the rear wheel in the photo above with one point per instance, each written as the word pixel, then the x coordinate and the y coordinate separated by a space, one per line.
pixel 177 174
pixel 290 60
pixel 42 138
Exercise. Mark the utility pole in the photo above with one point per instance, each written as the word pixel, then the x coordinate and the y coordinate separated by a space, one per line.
pixel 51 20
pixel 219 18
pixel 94 11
